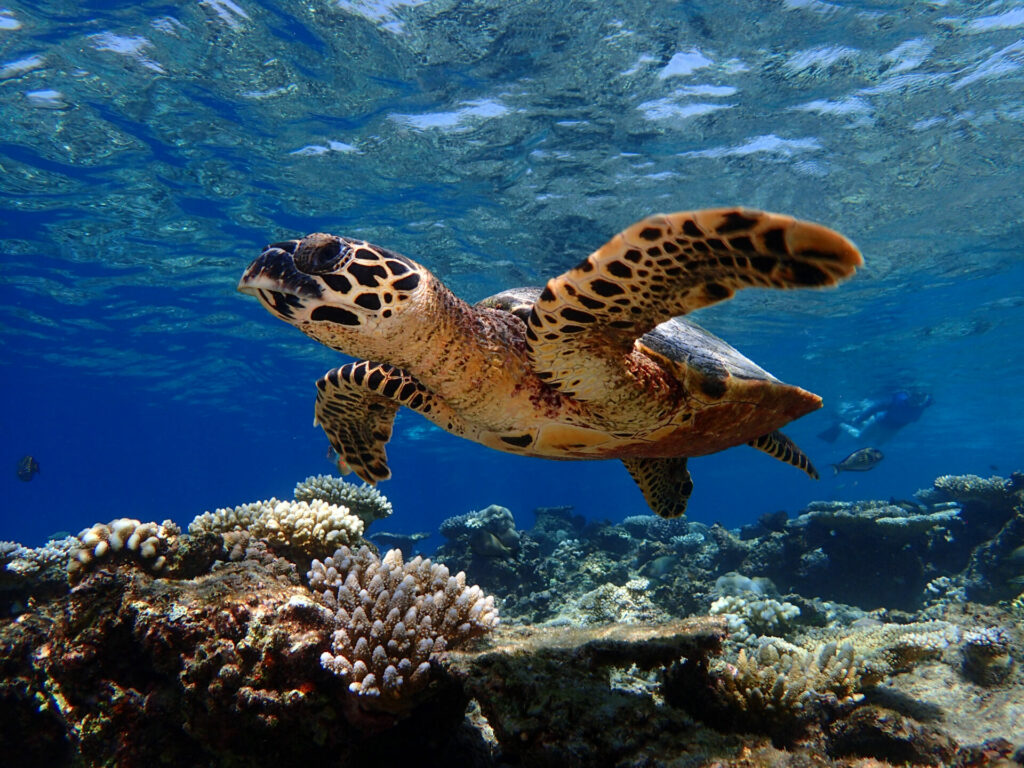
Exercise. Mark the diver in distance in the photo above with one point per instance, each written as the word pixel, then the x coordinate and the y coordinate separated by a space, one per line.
pixel 878 419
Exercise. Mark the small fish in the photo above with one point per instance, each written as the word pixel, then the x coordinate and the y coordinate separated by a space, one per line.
pixel 487 544
pixel 407 542
pixel 659 566
pixel 335 458
pixel 28 468
pixel 859 461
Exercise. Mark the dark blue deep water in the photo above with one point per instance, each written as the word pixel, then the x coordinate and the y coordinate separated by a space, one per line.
pixel 149 150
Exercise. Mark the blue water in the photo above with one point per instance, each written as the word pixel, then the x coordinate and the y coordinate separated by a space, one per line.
pixel 150 150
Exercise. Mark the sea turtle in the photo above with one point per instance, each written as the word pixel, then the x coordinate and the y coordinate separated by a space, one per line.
pixel 595 365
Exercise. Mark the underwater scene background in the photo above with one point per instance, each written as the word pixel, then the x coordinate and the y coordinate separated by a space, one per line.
pixel 149 151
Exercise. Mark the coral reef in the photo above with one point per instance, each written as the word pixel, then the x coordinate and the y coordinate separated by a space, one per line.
pixel 391 618
pixel 994 491
pixel 363 501
pixel 27 572
pixel 490 531
pixel 995 570
pixel 580 697
pixel 748 615
pixel 31 561
pixel 218 670
pixel 987 655
pixel 299 529
pixel 782 689
pixel 226 656
pixel 125 536
pixel 894 521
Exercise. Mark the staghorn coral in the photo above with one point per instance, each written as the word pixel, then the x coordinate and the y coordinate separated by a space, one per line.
pixel 392 618
pixel 363 501
pixel 782 688
pixel 298 529
pixel 781 680
pixel 149 542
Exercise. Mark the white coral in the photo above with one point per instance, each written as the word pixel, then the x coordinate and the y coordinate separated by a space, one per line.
pixel 391 618
pixel 748 615
pixel 312 527
pixel 147 541
pixel 364 501
pixel 306 528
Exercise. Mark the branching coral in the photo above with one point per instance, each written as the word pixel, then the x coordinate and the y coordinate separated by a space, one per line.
pixel 308 527
pixel 363 501
pixel 748 608
pixel 750 615
pixel 149 542
pixel 298 528
pixel 25 561
pixel 392 618
pixel 781 688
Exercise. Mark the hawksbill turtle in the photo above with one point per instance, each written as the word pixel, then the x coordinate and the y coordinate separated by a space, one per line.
pixel 595 365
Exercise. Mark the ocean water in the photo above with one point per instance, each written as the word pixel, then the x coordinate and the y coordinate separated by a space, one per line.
pixel 149 150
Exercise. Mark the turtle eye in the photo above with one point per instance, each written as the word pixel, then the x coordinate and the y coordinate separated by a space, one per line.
pixel 317 254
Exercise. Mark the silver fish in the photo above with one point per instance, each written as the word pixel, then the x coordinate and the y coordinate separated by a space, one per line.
pixel 859 461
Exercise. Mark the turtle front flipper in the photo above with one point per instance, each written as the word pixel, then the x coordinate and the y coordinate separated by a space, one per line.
pixel 585 321
pixel 782 448
pixel 665 483
pixel 356 406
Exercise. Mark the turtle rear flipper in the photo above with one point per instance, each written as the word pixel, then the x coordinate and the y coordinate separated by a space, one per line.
pixel 586 320
pixel 779 446
pixel 356 406
pixel 665 483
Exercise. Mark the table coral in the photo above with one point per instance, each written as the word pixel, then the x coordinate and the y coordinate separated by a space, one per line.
pixel 391 619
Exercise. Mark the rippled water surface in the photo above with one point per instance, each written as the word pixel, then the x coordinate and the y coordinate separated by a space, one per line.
pixel 149 150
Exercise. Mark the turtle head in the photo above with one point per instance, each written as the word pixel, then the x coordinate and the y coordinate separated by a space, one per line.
pixel 344 293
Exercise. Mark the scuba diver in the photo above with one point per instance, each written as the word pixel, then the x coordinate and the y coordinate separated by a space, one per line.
pixel 877 420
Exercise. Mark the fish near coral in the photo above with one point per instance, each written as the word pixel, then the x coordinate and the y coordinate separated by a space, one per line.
pixel 486 544
pixel 596 365
pixel 859 461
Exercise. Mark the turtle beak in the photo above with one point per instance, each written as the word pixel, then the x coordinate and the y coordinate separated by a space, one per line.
pixel 274 271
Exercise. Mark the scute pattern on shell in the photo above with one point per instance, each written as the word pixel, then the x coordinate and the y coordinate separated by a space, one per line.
pixel 392 617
